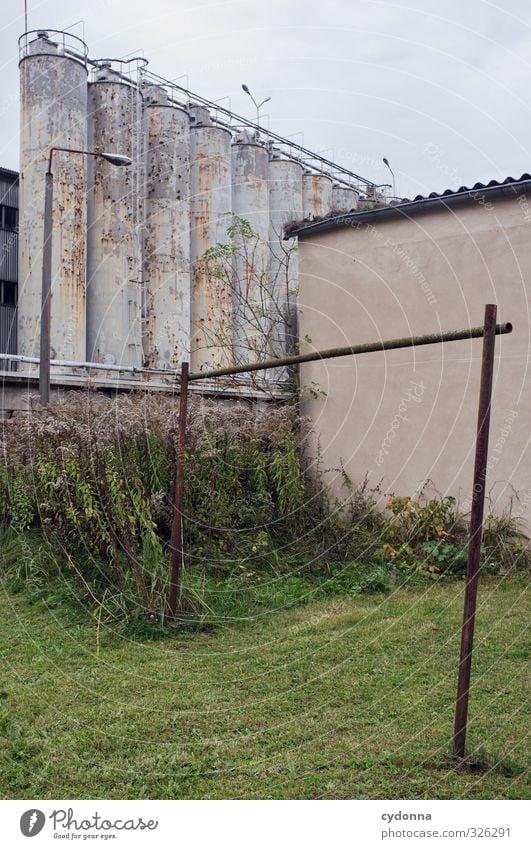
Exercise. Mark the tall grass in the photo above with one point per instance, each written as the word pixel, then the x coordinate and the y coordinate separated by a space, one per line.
pixel 86 493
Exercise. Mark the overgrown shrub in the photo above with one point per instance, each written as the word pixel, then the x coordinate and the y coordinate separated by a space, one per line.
pixel 87 484
pixel 96 476
pixel 430 536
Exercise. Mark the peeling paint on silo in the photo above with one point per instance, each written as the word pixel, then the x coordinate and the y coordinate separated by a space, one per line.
pixel 53 114
pixel 113 243
pixel 344 199
pixel 251 280
pixel 316 195
pixel 167 233
pixel 210 208
pixel 285 208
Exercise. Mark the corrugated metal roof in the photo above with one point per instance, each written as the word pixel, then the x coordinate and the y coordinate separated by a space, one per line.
pixel 8 187
pixel 7 172
pixel 464 189
pixel 510 187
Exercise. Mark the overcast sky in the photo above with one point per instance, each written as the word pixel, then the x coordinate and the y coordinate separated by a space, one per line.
pixel 440 89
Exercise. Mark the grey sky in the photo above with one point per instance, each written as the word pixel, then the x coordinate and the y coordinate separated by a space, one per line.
pixel 441 89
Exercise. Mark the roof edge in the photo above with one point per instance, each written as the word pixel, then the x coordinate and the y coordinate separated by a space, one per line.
pixel 9 172
pixel 410 208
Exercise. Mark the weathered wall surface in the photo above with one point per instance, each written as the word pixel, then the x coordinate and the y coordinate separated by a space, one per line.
pixel 113 244
pixel 167 233
pixel 210 208
pixel 405 417
pixel 53 103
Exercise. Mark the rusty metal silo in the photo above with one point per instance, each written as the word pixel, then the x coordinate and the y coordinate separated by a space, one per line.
pixel 210 208
pixel 199 115
pixel 53 88
pixel 317 195
pixel 113 236
pixel 344 198
pixel 251 261
pixel 167 232
pixel 285 208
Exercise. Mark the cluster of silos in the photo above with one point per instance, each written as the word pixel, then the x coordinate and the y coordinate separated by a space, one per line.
pixel 138 276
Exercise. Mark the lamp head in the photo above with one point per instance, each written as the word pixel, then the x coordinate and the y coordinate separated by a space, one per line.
pixel 117 159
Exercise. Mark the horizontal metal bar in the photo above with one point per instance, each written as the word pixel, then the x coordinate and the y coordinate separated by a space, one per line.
pixel 369 348
pixel 18 358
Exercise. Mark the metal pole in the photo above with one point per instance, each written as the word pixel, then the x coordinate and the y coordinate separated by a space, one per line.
pixel 176 541
pixel 369 348
pixel 46 293
pixel 475 533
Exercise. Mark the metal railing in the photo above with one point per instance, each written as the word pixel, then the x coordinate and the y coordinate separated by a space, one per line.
pixel 67 44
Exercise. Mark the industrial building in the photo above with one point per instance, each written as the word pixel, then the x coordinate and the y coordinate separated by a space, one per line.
pixel 8 263
pixel 136 288
pixel 407 419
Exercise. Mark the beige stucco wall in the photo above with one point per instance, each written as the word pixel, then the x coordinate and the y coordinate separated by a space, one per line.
pixel 405 417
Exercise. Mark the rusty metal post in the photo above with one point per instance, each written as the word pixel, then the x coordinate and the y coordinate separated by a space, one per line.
pixel 177 528
pixel 476 530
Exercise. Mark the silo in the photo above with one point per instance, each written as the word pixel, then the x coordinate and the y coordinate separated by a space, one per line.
pixel 53 84
pixel 210 208
pixel 113 243
pixel 167 232
pixel 285 208
pixel 316 195
pixel 251 281
pixel 199 115
pixel 344 199
pixel 373 198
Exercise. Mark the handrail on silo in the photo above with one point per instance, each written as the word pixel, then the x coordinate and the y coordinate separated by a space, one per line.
pixel 141 64
pixel 72 46
pixel 271 136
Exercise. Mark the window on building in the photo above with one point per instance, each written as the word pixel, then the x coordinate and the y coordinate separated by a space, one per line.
pixel 8 293
pixel 8 217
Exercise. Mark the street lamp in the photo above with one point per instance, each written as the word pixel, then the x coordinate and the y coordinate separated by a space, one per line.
pixel 258 105
pixel 386 162
pixel 45 340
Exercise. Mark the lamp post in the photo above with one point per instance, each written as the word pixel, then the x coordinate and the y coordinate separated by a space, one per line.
pixel 258 105
pixel 386 162
pixel 45 340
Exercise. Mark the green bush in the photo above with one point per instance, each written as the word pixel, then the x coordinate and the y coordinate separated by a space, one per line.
pixel 95 478
pixel 431 537
pixel 86 487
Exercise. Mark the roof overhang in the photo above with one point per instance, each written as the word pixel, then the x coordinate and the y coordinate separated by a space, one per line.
pixel 407 209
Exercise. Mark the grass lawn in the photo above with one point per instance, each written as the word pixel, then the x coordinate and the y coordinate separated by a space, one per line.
pixel 349 697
